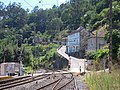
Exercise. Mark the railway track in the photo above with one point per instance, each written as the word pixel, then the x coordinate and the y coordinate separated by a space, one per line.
pixel 54 81
pixel 21 81
pixel 63 82
pixel 12 79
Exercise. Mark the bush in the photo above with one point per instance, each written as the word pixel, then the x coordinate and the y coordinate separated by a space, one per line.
pixel 90 55
pixel 100 54
pixel 97 55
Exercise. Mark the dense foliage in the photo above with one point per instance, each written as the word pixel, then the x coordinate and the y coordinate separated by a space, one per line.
pixel 51 24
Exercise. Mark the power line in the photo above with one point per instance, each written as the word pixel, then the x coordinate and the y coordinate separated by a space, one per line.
pixel 43 5
pixel 28 4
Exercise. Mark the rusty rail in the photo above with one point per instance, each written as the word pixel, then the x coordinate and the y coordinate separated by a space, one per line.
pixel 21 82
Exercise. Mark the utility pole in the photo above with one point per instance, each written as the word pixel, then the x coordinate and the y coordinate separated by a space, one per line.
pixel 96 40
pixel 110 37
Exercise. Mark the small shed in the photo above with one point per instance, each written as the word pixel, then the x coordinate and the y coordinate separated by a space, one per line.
pixel 9 68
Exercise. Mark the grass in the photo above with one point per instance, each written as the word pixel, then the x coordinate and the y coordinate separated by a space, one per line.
pixel 104 81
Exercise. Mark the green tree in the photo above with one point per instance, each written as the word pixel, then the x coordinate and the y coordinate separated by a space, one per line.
pixel 15 16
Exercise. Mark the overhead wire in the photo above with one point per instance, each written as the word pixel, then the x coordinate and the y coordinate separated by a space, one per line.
pixel 28 4
pixel 43 5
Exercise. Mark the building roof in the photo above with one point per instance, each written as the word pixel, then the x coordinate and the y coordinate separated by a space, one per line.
pixel 79 30
pixel 100 32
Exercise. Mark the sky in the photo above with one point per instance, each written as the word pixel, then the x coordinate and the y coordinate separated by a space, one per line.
pixel 30 4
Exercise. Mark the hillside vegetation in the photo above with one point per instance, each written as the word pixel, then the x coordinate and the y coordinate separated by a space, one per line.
pixel 52 24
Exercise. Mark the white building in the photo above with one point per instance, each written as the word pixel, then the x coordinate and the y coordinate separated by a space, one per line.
pixel 96 42
pixel 77 42
pixel 92 45
pixel 9 68
pixel 73 42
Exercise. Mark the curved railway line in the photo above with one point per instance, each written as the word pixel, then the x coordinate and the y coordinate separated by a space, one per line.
pixel 62 82
pixel 50 81
pixel 12 79
pixel 20 81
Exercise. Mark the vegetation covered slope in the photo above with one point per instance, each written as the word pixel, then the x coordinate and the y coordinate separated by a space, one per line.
pixel 51 23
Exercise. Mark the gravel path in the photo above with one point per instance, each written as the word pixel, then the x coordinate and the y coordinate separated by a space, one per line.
pixel 81 84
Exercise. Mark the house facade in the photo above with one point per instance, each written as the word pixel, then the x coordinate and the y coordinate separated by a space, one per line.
pixel 73 43
pixel 94 44
pixel 77 42
pixel 96 40
pixel 81 41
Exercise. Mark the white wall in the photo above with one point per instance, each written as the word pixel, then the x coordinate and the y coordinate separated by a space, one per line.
pixel 8 68
pixel 92 43
pixel 73 42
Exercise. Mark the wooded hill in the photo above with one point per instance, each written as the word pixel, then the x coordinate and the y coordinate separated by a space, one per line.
pixel 52 24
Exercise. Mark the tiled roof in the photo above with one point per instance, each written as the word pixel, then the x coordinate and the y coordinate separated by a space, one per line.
pixel 100 32
pixel 78 30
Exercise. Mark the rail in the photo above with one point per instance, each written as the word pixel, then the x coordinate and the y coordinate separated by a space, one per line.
pixel 62 81
pixel 21 81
